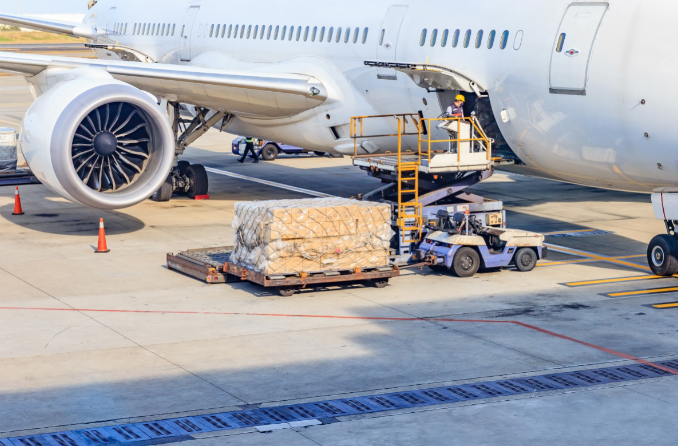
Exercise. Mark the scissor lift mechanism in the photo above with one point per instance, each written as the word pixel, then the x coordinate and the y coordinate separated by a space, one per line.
pixel 468 150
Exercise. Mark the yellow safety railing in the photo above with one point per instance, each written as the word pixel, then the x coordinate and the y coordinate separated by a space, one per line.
pixel 482 142
pixel 410 217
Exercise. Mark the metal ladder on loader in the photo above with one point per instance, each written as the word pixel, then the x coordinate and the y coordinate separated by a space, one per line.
pixel 407 163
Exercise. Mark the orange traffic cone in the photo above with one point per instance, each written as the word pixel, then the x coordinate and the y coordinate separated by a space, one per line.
pixel 17 203
pixel 102 248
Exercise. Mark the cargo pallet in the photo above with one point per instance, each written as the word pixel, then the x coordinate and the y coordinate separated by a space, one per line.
pixel 213 265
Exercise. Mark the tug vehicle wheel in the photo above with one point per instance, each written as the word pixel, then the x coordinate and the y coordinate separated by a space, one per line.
pixel 466 262
pixel 525 259
pixel 661 255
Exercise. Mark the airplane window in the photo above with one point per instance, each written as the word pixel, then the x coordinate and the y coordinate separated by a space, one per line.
pixel 218 29
pixel 230 28
pixel 134 30
pixel 467 38
pixel 443 40
pixel 298 33
pixel 348 34
pixel 504 39
pixel 268 34
pixel 291 33
pixel 256 32
pixel 381 37
pixel 284 33
pixel 422 39
pixel 249 31
pixel 212 30
pixel 235 34
pixel 490 39
pixel 479 38
pixel 434 37
pixel 455 39
pixel 561 41
pixel 329 34
pixel 315 31
pixel 261 34
pixel 355 35
pixel 173 27
pixel 277 29
pixel 242 31
pixel 143 32
pixel 365 31
pixel 322 34
pixel 223 31
pixel 153 32
pixel 183 28
pixel 338 35
pixel 162 33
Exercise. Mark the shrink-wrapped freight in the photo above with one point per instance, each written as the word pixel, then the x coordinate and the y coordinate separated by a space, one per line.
pixel 309 235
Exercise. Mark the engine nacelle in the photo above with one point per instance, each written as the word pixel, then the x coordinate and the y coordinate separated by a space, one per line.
pixel 98 141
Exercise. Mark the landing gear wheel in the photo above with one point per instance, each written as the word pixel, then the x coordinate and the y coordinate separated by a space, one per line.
pixel 525 259
pixel 319 153
pixel 466 262
pixel 287 291
pixel 165 191
pixel 662 253
pixel 183 166
pixel 269 152
pixel 379 283
pixel 198 178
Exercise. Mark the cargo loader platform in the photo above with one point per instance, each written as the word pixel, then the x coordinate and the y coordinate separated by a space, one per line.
pixel 213 266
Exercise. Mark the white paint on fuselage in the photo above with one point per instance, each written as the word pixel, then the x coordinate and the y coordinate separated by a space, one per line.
pixel 597 139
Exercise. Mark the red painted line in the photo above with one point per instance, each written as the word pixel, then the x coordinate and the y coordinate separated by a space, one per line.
pixel 365 318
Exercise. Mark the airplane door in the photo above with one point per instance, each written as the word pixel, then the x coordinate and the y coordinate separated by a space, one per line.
pixel 572 48
pixel 387 43
pixel 187 32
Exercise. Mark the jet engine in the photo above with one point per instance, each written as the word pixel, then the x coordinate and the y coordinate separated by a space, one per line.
pixel 98 141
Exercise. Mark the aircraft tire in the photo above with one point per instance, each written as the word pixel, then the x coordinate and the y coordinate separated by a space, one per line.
pixel 165 191
pixel 198 176
pixel 466 262
pixel 183 166
pixel 525 259
pixel 269 152
pixel 662 253
pixel 319 153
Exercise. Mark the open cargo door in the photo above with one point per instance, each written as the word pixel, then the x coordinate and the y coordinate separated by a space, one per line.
pixel 434 77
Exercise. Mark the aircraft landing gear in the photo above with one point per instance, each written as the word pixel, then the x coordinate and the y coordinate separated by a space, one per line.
pixel 186 178
pixel 662 252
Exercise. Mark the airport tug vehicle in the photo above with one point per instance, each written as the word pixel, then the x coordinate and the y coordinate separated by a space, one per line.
pixel 462 244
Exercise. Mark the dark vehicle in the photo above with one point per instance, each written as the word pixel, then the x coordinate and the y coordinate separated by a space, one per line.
pixel 268 150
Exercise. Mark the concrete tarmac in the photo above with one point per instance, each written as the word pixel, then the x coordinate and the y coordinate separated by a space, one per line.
pixel 100 360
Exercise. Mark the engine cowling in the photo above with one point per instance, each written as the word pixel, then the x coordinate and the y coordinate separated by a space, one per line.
pixel 98 141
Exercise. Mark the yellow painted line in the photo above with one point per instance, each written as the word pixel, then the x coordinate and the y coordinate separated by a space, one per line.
pixel 673 305
pixel 650 291
pixel 597 257
pixel 8 122
pixel 619 279
pixel 567 262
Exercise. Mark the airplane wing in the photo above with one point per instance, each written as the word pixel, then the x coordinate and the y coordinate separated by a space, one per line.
pixel 52 26
pixel 243 93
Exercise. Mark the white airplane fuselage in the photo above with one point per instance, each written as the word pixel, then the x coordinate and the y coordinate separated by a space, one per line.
pixel 613 132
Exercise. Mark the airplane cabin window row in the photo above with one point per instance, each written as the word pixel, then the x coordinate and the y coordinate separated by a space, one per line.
pixel 154 29
pixel 283 33
pixel 466 40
